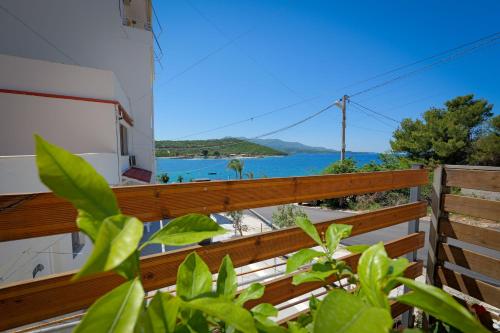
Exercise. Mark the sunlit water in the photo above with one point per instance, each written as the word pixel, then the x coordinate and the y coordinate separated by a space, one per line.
pixel 292 165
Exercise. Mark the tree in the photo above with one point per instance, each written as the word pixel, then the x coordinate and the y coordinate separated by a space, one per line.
pixel 180 179
pixel 286 215
pixel 249 175
pixel 237 166
pixel 444 135
pixel 487 148
pixel 164 178
pixel 204 152
pixel 237 217
pixel 216 154
pixel 346 166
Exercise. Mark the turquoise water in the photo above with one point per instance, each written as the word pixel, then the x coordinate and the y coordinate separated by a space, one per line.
pixel 285 166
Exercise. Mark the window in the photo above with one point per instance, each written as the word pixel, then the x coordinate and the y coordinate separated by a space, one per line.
pixel 77 243
pixel 123 140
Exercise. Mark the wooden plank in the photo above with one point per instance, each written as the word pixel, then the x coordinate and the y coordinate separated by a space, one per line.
pixel 470 234
pixel 41 214
pixel 396 309
pixel 281 289
pixel 486 180
pixel 438 188
pixel 485 209
pixel 20 302
pixel 473 261
pixel 476 288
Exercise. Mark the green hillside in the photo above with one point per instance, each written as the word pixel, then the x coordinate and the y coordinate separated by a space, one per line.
pixel 212 148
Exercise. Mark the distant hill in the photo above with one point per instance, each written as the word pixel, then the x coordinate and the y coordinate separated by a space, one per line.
pixel 290 147
pixel 213 148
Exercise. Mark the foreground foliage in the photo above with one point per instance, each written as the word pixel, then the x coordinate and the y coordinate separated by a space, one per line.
pixel 198 305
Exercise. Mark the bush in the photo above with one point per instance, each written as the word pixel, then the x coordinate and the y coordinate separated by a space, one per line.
pixel 286 215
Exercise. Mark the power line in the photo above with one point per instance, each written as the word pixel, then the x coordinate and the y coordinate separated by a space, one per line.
pixel 252 118
pixel 373 116
pixel 429 66
pixel 196 63
pixel 39 35
pixel 419 61
pixel 375 112
pixel 311 116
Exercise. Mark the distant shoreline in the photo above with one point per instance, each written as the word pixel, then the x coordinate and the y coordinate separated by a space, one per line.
pixel 240 157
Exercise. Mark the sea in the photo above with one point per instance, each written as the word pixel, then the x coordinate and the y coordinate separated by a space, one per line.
pixel 261 167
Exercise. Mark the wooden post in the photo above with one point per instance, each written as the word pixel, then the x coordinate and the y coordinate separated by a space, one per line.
pixel 342 153
pixel 413 226
pixel 438 189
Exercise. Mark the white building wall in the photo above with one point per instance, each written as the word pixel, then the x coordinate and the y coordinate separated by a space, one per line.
pixel 89 33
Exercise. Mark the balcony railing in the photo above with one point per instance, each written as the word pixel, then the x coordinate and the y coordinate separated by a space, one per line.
pixel 39 214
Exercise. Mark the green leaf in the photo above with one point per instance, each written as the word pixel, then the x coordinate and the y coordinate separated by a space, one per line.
pixel 360 248
pixel 396 269
pixel 334 234
pixel 312 276
pixel 74 179
pixel 373 267
pixel 439 304
pixel 225 310
pixel 254 291
pixel 193 278
pixel 226 279
pixel 187 229
pixel 117 311
pixel 116 241
pixel 300 258
pixel 294 327
pixel 162 312
pixel 88 224
pixel 305 224
pixel 265 309
pixel 347 313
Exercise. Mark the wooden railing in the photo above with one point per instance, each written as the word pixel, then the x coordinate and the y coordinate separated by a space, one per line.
pixel 40 214
pixel 453 261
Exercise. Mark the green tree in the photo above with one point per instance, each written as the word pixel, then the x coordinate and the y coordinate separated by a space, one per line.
pixel 487 147
pixel 444 135
pixel 204 152
pixel 216 154
pixel 346 166
pixel 237 217
pixel 164 178
pixel 286 215
pixel 237 166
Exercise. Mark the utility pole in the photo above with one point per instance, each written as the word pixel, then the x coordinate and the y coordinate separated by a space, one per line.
pixel 342 153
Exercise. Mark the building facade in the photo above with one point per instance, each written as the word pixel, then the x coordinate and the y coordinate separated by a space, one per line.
pixel 80 74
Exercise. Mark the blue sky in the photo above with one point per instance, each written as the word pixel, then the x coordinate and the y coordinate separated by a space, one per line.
pixel 263 55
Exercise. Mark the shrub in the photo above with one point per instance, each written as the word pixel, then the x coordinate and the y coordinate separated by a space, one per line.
pixel 286 215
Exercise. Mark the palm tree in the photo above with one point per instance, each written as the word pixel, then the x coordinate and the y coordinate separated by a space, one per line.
pixel 237 166
pixel 249 175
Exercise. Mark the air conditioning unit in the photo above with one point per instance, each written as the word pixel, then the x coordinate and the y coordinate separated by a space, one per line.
pixel 131 160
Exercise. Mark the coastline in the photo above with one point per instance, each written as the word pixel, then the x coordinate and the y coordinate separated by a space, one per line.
pixel 217 158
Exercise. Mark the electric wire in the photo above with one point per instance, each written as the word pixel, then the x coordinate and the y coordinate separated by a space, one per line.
pixel 391 71
pixel 38 34
pixel 375 112
pixel 430 66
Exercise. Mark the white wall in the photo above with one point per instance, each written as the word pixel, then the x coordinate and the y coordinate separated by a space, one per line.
pixel 91 34
pixel 19 173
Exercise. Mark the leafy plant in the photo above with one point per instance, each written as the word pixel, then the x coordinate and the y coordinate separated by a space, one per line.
pixel 197 305
pixel 325 265
pixel 285 215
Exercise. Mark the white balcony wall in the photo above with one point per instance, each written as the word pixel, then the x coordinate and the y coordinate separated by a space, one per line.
pixel 89 33
pixel 19 173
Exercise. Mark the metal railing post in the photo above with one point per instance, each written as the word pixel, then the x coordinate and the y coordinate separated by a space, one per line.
pixel 413 226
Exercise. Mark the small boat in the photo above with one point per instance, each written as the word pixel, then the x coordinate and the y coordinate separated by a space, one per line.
pixel 212 173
